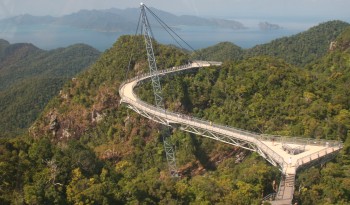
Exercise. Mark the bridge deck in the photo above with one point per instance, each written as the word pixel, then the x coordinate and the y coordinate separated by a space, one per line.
pixel 270 147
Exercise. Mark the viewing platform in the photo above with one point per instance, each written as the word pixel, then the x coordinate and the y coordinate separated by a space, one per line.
pixel 288 153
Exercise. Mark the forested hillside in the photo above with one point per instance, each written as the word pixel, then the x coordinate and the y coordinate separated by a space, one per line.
pixel 299 49
pixel 30 77
pixel 87 148
pixel 270 96
pixel 220 52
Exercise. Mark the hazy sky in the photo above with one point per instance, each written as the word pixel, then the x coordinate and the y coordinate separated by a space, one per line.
pixel 324 9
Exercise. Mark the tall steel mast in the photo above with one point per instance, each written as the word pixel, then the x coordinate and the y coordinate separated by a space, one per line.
pixel 157 89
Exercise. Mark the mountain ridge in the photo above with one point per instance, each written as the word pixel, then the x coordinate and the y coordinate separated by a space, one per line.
pixel 30 77
pixel 263 94
pixel 118 20
pixel 299 49
pixel 87 148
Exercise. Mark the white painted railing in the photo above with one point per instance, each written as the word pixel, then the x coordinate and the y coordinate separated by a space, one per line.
pixel 235 133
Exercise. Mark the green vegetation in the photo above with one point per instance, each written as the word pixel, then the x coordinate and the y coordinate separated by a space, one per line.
pixel 120 159
pixel 30 77
pixel 220 52
pixel 266 95
pixel 85 148
pixel 299 49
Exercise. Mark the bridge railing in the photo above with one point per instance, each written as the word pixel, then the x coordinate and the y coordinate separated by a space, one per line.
pixel 195 119
pixel 277 138
pixel 274 155
pixel 209 125
pixel 311 157
pixel 194 64
pixel 270 197
pixel 300 140
pixel 257 138
pixel 249 136
pixel 186 119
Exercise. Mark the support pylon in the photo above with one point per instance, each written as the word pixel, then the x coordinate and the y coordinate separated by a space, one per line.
pixel 157 89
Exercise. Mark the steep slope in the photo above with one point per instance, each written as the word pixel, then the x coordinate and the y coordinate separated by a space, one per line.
pixel 3 45
pixel 336 62
pixel 335 66
pixel 342 43
pixel 270 96
pixel 30 77
pixel 13 54
pixel 331 184
pixel 264 95
pixel 267 95
pixel 220 52
pixel 22 103
pixel 94 90
pixel 86 148
pixel 302 48
pixel 299 49
pixel 88 112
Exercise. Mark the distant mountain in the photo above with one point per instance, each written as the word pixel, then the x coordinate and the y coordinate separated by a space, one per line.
pixel 299 49
pixel 101 20
pixel 261 94
pixel 27 19
pixel 266 26
pixel 118 20
pixel 30 77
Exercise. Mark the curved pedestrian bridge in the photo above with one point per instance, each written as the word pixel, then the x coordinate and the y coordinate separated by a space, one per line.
pixel 288 153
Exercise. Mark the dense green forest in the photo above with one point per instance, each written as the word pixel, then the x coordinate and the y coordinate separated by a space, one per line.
pixel 299 49
pixel 30 77
pixel 86 148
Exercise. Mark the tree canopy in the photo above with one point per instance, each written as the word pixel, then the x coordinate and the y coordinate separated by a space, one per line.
pixel 85 148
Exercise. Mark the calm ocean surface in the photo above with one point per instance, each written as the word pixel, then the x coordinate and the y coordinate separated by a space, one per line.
pixel 54 36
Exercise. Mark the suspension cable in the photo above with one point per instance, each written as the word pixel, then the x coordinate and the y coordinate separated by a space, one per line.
pixel 168 27
pixel 132 50
pixel 164 26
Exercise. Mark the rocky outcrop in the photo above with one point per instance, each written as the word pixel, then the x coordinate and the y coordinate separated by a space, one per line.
pixel 54 125
pixel 332 46
pixel 96 116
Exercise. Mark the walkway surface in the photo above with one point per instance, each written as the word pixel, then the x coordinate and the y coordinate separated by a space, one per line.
pixel 289 153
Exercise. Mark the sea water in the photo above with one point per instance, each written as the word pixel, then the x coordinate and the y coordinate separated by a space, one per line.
pixel 55 36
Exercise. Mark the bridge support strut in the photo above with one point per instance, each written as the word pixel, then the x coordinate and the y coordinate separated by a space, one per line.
pixel 157 90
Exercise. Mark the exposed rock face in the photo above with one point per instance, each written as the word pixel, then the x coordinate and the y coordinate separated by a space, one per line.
pixel 240 157
pixel 332 46
pixel 66 134
pixel 54 125
pixel 342 45
pixel 96 116
pixel 63 95
pixel 342 42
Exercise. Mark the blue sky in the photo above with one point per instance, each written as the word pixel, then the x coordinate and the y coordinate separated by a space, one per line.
pixel 323 9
